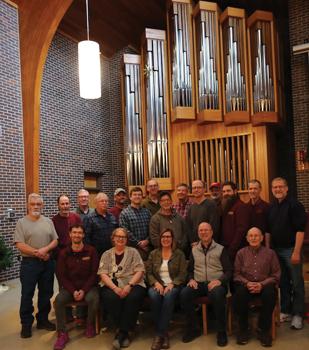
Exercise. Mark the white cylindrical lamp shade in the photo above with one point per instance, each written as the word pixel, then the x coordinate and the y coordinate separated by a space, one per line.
pixel 89 69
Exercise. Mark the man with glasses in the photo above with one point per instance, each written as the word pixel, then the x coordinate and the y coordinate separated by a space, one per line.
pixel 83 204
pixel 285 233
pixel 209 273
pixel 203 209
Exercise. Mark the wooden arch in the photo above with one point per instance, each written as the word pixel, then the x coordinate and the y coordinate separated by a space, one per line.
pixel 38 22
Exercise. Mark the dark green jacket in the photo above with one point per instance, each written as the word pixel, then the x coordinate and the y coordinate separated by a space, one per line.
pixel 177 267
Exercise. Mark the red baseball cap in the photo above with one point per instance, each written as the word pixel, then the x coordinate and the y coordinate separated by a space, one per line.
pixel 215 184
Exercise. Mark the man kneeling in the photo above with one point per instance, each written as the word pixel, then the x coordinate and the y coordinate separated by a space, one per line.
pixel 77 267
pixel 209 273
pixel 257 273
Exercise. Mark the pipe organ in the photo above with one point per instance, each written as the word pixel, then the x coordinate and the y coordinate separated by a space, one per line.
pixel 199 95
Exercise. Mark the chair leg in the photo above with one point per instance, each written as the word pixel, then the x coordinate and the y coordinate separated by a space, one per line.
pixel 204 316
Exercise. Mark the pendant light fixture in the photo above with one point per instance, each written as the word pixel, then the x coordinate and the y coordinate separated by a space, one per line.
pixel 89 66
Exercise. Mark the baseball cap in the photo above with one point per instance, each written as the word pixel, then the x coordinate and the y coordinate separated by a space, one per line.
pixel 119 190
pixel 215 184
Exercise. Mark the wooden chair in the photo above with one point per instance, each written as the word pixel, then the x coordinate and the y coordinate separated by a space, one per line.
pixel 204 301
pixel 78 321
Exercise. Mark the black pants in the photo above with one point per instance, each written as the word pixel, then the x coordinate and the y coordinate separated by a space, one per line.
pixel 124 312
pixel 241 299
pixel 217 296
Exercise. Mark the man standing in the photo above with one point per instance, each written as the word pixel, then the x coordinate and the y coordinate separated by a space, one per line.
pixel 99 225
pixel 135 219
pixel 35 238
pixel 256 274
pixel 151 202
pixel 203 210
pixel 77 267
pixel 120 197
pixel 209 273
pixel 184 203
pixel 83 204
pixel 286 225
pixel 258 209
pixel 167 218
pixel 64 220
pixel 216 194
pixel 235 220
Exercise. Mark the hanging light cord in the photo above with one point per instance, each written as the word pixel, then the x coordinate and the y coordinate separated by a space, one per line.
pixel 87 18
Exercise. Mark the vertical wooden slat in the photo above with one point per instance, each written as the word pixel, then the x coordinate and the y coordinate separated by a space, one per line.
pixel 191 161
pixel 228 158
pixel 222 161
pixel 197 161
pixel 245 164
pixel 212 161
pixel 217 159
pixel 202 155
pixel 207 163
pixel 239 179
pixel 234 172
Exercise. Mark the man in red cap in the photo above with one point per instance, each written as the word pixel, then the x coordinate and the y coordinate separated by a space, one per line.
pixel 216 194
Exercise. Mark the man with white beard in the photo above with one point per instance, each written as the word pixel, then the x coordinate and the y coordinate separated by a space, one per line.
pixel 35 238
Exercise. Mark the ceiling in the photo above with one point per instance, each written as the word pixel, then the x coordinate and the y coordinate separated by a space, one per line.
pixel 116 24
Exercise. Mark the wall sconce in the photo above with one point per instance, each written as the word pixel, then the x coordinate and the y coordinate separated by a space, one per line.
pixel 89 66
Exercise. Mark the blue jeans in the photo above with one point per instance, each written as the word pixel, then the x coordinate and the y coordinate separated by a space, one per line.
pixel 217 297
pixel 292 289
pixel 36 272
pixel 162 307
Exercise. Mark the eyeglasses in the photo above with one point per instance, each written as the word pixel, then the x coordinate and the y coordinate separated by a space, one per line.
pixel 120 237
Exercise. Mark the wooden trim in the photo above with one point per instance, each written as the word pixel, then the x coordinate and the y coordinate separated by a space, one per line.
pixel 131 59
pixel 236 117
pixel 232 12
pixel 157 34
pixel 182 113
pixel 259 15
pixel 13 3
pixel 34 45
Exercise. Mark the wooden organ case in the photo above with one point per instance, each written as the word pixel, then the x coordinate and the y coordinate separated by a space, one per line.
pixel 198 101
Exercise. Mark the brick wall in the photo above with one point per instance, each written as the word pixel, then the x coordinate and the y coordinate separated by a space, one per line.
pixel 299 34
pixel 12 187
pixel 78 135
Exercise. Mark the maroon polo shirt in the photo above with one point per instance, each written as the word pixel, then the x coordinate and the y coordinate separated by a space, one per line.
pixel 115 211
pixel 235 225
pixel 258 214
pixel 77 270
pixel 62 226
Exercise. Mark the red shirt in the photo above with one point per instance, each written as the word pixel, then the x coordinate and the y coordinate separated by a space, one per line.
pixel 235 225
pixel 258 214
pixel 77 270
pixel 62 226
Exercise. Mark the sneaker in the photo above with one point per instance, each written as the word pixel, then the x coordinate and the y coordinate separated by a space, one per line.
pixel 242 337
pixel 221 338
pixel 90 331
pixel 121 340
pixel 166 341
pixel 26 331
pixel 125 343
pixel 285 317
pixel 190 335
pixel 297 322
pixel 47 325
pixel 264 337
pixel 61 341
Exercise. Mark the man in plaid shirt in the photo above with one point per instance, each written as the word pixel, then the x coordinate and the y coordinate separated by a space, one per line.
pixel 184 203
pixel 135 219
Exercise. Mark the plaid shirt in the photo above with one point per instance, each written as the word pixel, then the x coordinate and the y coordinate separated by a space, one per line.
pixel 182 208
pixel 136 221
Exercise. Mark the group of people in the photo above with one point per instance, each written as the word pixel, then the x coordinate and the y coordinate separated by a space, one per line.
pixel 172 252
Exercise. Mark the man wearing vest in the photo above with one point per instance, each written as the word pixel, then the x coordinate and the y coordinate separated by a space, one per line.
pixel 209 273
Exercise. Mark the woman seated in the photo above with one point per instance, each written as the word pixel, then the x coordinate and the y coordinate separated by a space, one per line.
pixel 166 272
pixel 122 270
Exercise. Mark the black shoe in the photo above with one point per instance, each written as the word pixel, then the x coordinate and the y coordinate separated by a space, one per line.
pixel 26 331
pixel 265 338
pixel 221 338
pixel 46 325
pixel 243 337
pixel 190 335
